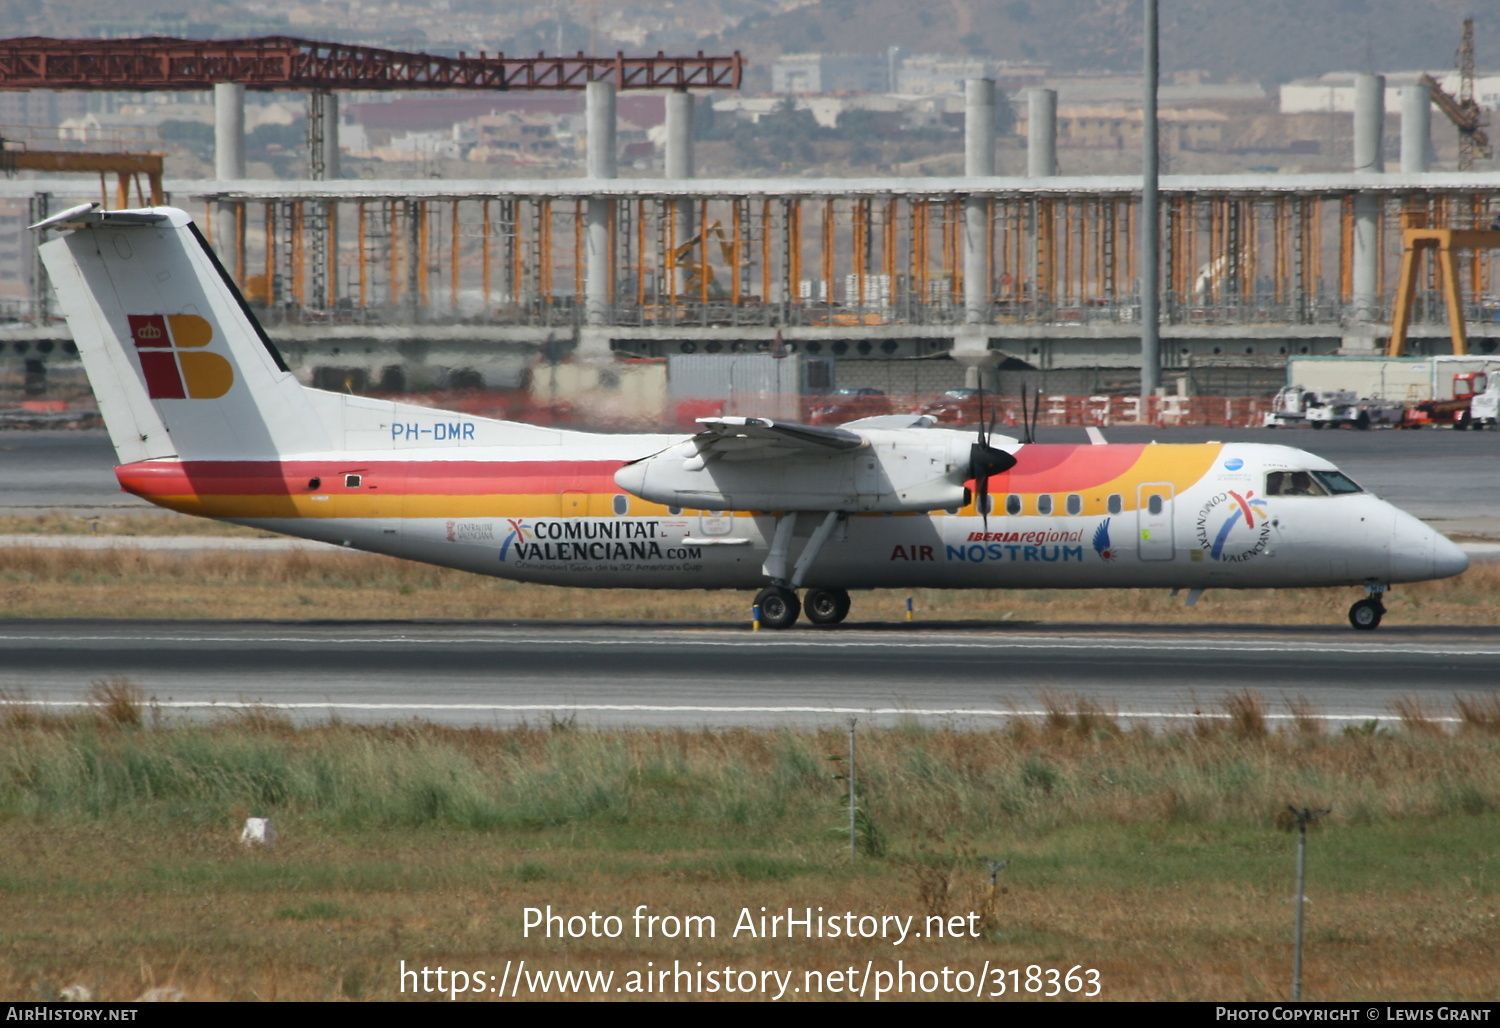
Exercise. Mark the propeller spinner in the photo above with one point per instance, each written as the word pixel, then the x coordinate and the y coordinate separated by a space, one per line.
pixel 984 461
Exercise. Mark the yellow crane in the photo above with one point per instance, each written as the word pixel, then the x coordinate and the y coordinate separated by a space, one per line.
pixel 126 167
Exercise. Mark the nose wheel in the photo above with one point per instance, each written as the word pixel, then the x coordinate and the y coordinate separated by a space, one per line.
pixel 1366 614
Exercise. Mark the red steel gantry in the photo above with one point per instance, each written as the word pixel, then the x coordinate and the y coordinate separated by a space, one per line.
pixel 288 63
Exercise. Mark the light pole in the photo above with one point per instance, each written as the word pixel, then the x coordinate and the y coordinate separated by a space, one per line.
pixel 1150 244
pixel 1303 818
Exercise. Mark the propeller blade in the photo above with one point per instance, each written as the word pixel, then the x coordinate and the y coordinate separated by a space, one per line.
pixel 985 461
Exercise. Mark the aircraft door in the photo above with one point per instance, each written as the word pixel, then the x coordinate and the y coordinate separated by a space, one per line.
pixel 715 522
pixel 1154 538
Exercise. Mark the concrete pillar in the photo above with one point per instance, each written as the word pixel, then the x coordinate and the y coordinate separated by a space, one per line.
pixel 971 348
pixel 599 99
pixel 229 130
pixel 979 162
pixel 331 136
pixel 679 163
pixel 1416 129
pixel 679 134
pixel 599 108
pixel 979 127
pixel 1369 120
pixel 1041 132
pixel 596 260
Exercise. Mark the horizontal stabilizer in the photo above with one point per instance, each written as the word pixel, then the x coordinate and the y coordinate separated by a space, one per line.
pixel 92 214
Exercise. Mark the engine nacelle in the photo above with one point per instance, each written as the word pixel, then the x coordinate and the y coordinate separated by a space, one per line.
pixel 893 471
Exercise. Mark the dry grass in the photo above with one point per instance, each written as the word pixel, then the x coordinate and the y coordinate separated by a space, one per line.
pixel 143 583
pixel 146 522
pixel 1153 857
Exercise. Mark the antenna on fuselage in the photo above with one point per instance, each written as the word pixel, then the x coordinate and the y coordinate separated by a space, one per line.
pixel 1029 415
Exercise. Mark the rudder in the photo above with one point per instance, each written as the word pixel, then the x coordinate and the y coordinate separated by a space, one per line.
pixel 177 361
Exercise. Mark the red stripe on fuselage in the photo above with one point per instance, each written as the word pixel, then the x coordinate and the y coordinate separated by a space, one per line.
pixel 416 478
pixel 1066 468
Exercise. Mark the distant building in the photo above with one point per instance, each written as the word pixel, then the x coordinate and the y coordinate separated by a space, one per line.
pixel 1334 93
pixel 1120 127
pixel 929 74
pixel 895 71
pixel 42 108
pixel 830 73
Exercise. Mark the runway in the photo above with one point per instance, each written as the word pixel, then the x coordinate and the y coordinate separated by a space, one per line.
pixel 704 675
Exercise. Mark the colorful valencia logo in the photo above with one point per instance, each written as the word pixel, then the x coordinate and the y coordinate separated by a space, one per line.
pixel 518 533
pixel 176 367
pixel 1232 527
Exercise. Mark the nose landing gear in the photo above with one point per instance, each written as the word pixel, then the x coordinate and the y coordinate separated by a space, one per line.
pixel 1366 614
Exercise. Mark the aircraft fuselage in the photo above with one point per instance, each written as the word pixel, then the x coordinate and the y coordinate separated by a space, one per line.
pixel 1121 516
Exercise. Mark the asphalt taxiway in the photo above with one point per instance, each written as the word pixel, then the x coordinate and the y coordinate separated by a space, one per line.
pixel 704 675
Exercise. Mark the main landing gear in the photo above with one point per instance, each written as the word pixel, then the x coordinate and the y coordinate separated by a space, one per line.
pixel 1366 614
pixel 779 606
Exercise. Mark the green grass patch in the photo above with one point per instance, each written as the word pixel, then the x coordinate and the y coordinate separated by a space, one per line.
pixel 1156 857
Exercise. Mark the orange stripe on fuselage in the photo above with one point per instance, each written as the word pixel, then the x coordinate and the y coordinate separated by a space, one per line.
pixel 1115 468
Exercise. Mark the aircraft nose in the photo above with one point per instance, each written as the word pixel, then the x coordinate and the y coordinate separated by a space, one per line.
pixel 1447 559
pixel 1420 553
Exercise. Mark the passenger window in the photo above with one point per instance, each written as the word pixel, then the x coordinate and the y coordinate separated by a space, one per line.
pixel 621 504
pixel 987 507
pixel 1154 505
pixel 1075 504
pixel 1013 504
pixel 1044 503
pixel 1116 503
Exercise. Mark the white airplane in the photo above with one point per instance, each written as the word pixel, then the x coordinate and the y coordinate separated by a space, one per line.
pixel 206 419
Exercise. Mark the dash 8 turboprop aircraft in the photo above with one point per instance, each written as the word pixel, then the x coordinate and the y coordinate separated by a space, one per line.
pixel 207 419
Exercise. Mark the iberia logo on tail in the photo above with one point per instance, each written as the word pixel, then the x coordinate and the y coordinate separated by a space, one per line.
pixel 170 348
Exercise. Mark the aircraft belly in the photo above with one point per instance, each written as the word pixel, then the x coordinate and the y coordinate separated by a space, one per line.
pixel 868 552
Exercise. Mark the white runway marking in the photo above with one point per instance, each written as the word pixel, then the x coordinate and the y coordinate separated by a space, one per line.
pixel 646 708
pixel 846 641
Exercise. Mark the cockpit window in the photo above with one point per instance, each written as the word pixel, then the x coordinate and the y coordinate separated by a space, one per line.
pixel 1309 483
pixel 1336 482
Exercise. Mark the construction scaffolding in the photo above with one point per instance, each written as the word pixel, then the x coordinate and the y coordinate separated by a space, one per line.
pixel 1064 257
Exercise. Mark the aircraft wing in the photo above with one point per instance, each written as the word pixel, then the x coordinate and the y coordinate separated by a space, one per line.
pixel 762 439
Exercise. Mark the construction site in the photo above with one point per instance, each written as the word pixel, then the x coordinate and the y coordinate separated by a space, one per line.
pixel 908 286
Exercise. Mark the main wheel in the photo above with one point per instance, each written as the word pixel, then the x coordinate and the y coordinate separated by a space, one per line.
pixel 779 607
pixel 826 606
pixel 1366 614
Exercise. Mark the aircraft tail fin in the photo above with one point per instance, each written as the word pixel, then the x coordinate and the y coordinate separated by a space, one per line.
pixel 176 359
